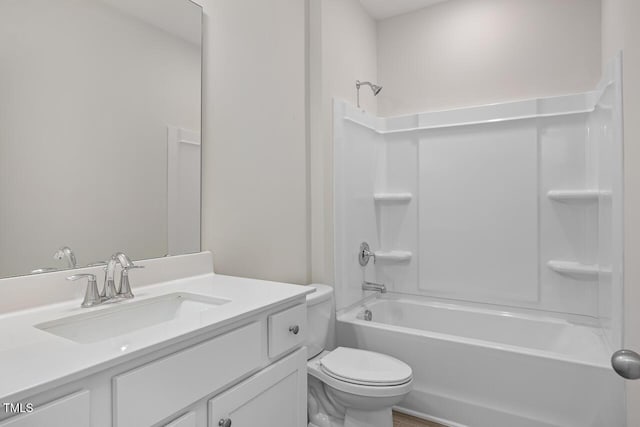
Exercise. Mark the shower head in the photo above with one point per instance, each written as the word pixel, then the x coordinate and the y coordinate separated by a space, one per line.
pixel 374 88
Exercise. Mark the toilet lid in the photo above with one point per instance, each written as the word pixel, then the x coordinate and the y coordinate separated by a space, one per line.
pixel 365 367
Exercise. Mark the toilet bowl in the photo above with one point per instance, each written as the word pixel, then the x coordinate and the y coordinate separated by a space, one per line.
pixel 349 387
pixel 347 391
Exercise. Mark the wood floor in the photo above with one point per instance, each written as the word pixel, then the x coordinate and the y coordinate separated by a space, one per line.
pixel 402 420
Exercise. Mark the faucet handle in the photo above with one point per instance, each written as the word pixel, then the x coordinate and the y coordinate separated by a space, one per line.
pixel 125 286
pixel 91 296
pixel 365 253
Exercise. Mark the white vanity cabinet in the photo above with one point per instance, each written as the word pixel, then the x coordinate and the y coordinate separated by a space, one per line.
pixel 251 373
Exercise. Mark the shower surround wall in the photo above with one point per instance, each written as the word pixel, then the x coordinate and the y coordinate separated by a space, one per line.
pixel 515 205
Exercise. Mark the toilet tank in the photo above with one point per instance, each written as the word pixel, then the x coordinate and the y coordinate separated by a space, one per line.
pixel 319 318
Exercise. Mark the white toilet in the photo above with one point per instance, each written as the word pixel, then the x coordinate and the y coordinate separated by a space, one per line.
pixel 349 387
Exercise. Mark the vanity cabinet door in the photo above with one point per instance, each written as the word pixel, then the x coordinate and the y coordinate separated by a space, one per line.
pixel 274 397
pixel 70 411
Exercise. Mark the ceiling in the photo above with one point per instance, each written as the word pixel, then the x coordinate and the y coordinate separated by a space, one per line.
pixel 382 9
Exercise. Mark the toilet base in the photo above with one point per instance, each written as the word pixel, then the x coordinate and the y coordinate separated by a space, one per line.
pixel 325 409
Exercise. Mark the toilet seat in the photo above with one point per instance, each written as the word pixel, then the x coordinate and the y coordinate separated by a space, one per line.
pixel 365 367
pixel 316 370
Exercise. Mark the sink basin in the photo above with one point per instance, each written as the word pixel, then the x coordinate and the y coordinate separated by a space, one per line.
pixel 121 319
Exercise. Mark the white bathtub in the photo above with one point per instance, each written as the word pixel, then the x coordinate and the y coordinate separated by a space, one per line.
pixel 480 367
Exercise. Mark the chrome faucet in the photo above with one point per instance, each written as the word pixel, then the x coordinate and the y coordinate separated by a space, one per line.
pixel 109 290
pixel 370 286
pixel 67 254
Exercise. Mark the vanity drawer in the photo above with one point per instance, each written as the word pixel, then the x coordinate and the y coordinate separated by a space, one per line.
pixel 287 329
pixel 159 389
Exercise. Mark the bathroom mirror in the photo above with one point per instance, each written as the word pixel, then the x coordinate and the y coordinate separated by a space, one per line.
pixel 100 118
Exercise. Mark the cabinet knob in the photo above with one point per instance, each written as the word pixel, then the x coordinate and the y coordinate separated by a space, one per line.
pixel 225 422
pixel 294 329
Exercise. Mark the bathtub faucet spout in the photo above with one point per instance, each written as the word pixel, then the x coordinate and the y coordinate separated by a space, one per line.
pixel 370 286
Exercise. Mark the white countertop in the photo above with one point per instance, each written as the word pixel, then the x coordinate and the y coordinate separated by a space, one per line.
pixel 32 360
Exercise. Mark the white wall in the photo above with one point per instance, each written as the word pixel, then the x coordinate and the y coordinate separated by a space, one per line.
pixel 620 30
pixel 83 130
pixel 343 49
pixel 349 51
pixel 256 219
pixel 471 52
pixel 255 209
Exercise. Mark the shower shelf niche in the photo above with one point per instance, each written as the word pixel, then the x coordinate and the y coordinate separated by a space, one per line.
pixel 574 196
pixel 392 197
pixel 393 256
pixel 576 269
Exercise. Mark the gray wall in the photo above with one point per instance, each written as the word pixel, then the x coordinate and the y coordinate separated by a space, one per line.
pixel 255 208
pixel 473 52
